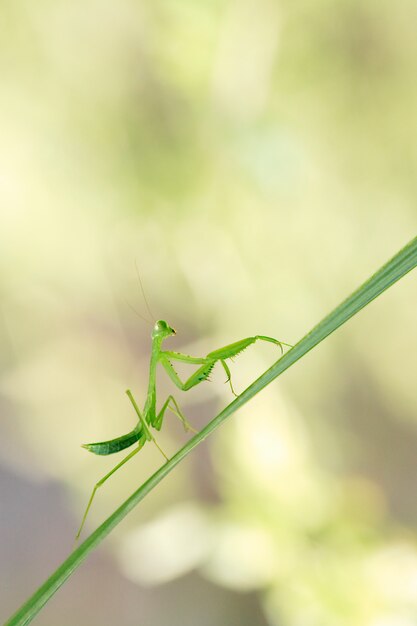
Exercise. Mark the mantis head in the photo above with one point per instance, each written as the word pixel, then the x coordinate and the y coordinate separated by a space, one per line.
pixel 162 330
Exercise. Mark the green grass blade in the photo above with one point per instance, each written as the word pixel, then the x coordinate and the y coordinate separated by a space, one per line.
pixel 395 269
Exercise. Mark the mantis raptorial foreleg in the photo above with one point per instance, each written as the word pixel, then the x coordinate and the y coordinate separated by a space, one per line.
pixel 208 362
pixel 195 379
pixel 229 376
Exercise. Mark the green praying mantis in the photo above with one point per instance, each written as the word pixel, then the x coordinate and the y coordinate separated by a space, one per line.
pixel 149 417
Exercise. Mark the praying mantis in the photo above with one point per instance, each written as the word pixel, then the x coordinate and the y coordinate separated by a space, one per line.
pixel 149 417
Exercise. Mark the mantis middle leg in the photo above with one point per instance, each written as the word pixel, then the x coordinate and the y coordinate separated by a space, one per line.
pixel 177 411
pixel 148 435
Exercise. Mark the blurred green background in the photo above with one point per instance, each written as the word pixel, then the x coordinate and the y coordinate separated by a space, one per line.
pixel 258 161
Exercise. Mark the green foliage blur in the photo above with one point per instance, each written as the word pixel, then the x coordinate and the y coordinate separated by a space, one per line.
pixel 257 160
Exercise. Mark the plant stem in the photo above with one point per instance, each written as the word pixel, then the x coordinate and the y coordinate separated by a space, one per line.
pixel 396 268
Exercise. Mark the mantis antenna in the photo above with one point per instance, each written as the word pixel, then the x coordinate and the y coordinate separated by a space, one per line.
pixel 143 293
pixel 145 319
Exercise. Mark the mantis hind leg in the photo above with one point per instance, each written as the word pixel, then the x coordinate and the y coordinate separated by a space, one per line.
pixel 176 410
pixel 101 482
pixel 145 436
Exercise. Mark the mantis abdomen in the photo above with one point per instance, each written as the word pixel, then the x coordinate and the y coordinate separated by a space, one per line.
pixel 114 445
